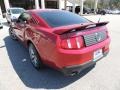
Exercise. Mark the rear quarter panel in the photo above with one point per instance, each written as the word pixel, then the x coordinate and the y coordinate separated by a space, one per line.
pixel 45 43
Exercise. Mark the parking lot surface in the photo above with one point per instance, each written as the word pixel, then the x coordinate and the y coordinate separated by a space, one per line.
pixel 17 73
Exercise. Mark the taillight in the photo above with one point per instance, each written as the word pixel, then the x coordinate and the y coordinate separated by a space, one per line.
pixel 72 43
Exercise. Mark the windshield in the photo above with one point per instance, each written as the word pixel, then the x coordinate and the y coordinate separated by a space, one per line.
pixel 61 18
pixel 17 11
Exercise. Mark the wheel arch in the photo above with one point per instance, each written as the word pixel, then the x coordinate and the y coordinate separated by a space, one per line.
pixel 30 42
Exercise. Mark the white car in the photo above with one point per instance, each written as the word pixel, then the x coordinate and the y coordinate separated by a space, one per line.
pixel 13 13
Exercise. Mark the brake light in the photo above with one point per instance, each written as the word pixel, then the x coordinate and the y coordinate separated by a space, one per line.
pixel 72 43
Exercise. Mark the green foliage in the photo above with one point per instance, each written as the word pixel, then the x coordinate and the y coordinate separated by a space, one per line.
pixel 114 4
pixel 89 3
pixel 103 4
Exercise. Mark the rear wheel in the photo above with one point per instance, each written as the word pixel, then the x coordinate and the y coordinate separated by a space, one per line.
pixel 12 33
pixel 35 58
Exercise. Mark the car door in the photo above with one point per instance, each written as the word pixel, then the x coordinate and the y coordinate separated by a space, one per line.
pixel 21 25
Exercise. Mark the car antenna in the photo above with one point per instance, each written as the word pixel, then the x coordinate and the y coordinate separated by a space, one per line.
pixel 100 18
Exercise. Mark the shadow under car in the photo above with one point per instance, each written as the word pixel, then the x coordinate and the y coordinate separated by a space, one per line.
pixel 47 78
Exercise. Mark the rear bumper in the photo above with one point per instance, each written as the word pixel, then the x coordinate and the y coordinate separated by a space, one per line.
pixel 63 58
pixel 74 61
pixel 76 69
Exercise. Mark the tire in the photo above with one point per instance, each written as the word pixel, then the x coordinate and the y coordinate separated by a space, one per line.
pixel 12 33
pixel 8 22
pixel 34 57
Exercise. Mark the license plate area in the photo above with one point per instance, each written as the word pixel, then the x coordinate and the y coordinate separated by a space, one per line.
pixel 97 55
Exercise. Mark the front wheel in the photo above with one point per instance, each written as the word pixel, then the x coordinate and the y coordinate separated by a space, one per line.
pixel 12 33
pixel 35 58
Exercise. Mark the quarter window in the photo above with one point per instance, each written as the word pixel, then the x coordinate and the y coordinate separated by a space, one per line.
pixel 32 21
pixel 24 17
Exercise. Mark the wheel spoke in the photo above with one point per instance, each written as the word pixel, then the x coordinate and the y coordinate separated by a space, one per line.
pixel 12 34
pixel 33 56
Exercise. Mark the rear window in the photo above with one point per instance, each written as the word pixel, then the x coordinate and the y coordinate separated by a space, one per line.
pixel 61 18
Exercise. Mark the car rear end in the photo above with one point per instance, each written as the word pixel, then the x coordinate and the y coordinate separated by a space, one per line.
pixel 81 48
pixel 80 43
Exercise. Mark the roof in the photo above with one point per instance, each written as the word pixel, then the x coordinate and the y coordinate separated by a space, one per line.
pixel 41 10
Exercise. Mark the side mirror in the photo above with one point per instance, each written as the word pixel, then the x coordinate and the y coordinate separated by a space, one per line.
pixel 9 13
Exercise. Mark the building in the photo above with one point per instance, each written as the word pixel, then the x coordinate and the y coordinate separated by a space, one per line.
pixel 32 4
pixel 36 4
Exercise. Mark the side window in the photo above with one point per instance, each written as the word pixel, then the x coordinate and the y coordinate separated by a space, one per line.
pixel 32 21
pixel 24 17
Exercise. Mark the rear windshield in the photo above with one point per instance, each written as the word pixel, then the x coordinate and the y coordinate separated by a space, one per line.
pixel 61 18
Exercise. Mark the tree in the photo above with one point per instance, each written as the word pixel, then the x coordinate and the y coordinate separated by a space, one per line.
pixel 114 4
pixel 89 3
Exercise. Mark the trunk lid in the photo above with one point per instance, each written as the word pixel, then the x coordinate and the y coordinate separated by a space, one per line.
pixel 81 35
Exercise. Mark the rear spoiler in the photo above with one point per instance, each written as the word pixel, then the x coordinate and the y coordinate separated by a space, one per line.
pixel 65 29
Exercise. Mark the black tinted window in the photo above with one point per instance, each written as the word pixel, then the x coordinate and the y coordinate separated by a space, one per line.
pixel 61 18
pixel 24 17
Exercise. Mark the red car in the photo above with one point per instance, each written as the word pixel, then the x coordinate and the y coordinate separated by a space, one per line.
pixel 61 39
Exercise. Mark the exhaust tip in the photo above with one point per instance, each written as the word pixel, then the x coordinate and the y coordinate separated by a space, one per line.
pixel 74 73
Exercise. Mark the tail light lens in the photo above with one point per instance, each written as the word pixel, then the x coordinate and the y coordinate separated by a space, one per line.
pixel 72 43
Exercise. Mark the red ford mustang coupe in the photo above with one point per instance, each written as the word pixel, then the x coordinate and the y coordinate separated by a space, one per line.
pixel 61 39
